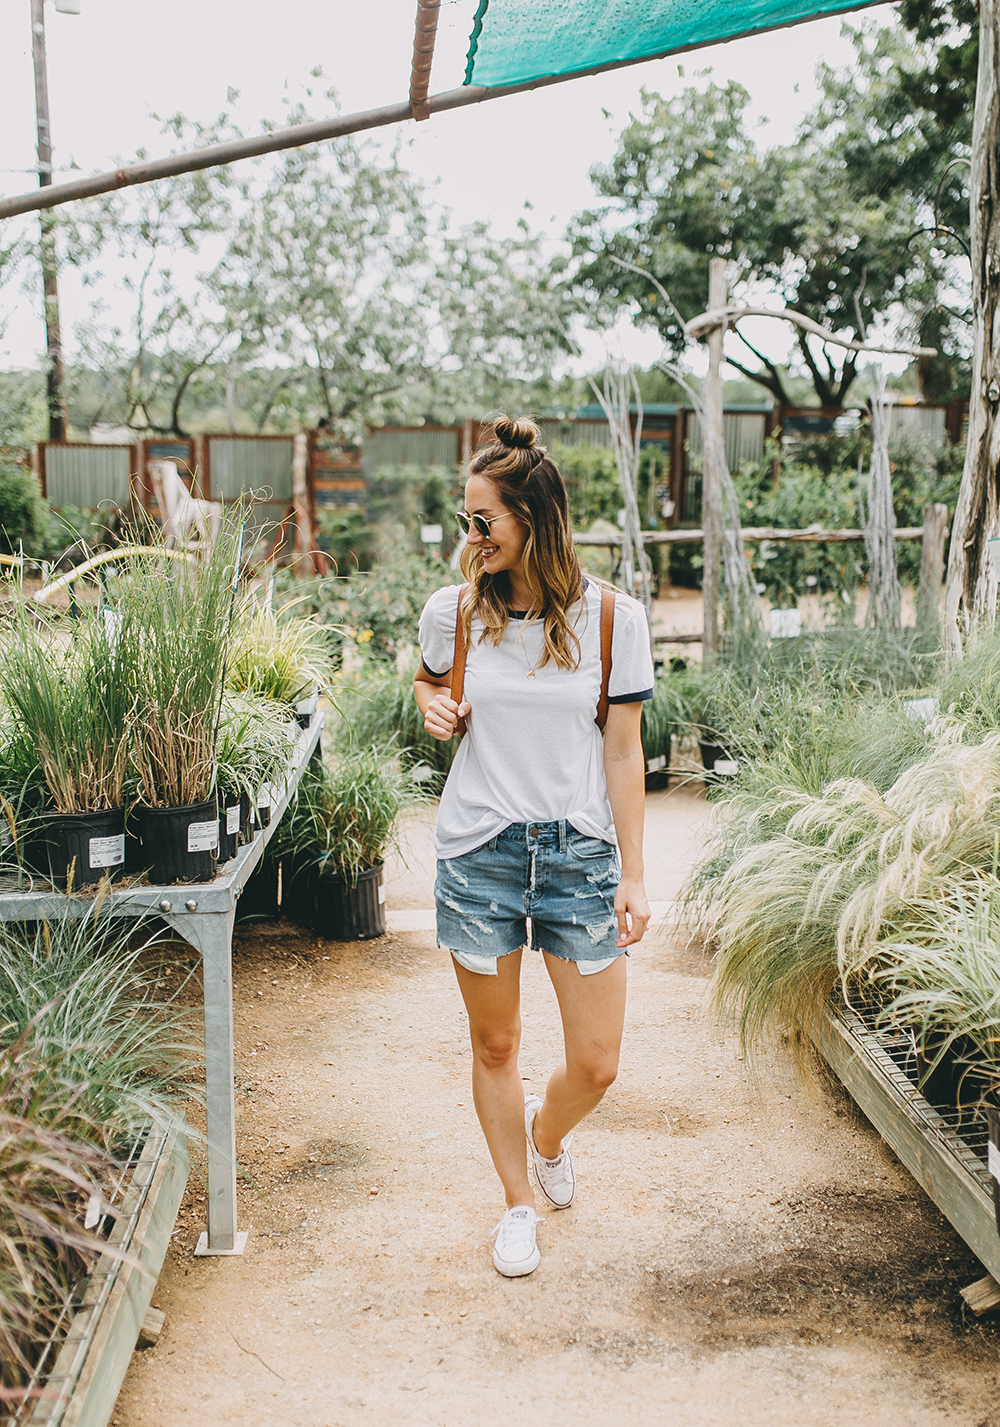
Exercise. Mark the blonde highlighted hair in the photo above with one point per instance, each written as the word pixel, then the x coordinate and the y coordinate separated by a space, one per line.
pixel 530 486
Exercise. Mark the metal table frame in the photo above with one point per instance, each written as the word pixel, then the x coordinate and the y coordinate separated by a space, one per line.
pixel 203 914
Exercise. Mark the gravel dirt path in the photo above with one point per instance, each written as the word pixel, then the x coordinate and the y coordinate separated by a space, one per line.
pixel 738 1252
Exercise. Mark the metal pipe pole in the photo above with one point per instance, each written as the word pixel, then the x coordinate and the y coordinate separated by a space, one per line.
pixel 54 375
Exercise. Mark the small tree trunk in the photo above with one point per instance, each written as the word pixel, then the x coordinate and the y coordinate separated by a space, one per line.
pixel 713 464
pixel 932 570
pixel 304 543
pixel 970 597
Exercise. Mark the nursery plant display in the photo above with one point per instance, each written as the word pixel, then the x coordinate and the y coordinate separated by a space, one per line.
pixel 72 702
pixel 90 1053
pixel 278 654
pixel 857 858
pixel 336 833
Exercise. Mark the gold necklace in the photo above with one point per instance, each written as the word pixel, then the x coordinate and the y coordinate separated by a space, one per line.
pixel 531 668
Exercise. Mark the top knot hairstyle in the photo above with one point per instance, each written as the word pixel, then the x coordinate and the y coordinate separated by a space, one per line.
pixel 530 486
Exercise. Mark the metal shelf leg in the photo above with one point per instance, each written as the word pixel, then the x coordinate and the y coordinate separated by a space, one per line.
pixel 212 935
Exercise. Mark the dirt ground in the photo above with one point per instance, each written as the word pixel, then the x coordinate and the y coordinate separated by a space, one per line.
pixel 739 1252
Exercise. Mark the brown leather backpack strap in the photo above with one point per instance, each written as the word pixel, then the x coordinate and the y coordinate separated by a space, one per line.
pixel 607 635
pixel 458 663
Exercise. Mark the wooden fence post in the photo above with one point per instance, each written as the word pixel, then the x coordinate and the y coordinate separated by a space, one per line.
pixel 970 597
pixel 303 563
pixel 931 588
pixel 712 461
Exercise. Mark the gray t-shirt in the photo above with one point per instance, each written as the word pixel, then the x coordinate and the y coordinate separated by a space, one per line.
pixel 533 752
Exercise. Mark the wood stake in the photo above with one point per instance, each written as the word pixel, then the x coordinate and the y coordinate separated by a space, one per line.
pixel 982 1295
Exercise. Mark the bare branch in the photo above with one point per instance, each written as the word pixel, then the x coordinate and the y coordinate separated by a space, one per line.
pixel 702 324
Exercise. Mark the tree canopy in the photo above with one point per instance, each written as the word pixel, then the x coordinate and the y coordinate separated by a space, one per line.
pixel 829 223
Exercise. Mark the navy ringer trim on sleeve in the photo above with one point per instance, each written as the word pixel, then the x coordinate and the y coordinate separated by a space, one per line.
pixel 444 671
pixel 631 698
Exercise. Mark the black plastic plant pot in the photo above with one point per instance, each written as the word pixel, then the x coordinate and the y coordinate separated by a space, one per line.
pixel 348 913
pixel 259 900
pixel 305 709
pixel 717 760
pixel 657 776
pixel 246 818
pixel 180 844
pixel 263 807
pixel 230 820
pixel 134 860
pixel 299 881
pixel 81 848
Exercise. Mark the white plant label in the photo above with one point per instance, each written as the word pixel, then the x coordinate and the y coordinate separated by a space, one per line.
pixel 654 765
pixel 726 767
pixel 232 820
pixel 381 894
pixel 203 837
pixel 107 851
pixel 93 1217
pixel 993 1160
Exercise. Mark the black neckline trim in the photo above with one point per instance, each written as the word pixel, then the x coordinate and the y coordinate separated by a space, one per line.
pixel 523 613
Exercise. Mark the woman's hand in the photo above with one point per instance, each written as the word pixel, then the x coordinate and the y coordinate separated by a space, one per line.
pixel 442 715
pixel 630 899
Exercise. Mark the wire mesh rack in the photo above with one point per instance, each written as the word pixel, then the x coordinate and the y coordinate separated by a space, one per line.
pixel 957 1121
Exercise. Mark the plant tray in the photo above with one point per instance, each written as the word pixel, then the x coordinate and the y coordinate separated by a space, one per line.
pixel 944 1148
pixel 80 1374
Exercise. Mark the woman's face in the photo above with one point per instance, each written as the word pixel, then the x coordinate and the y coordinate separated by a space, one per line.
pixel 503 548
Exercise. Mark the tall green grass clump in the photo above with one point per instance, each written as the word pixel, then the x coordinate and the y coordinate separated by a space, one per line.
pixel 178 617
pixel 345 813
pixel 90 1051
pixel 278 654
pixel 378 709
pixel 71 688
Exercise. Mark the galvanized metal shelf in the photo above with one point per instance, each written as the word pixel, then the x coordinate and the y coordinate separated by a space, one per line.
pixel 945 1149
pixel 204 914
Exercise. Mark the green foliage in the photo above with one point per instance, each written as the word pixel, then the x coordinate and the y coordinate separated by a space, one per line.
pixel 176 615
pixel 592 483
pixel 278 654
pixel 348 539
pixel 379 611
pixel 73 702
pixel 820 221
pixel 815 482
pixel 89 1052
pixel 378 708
pixel 255 736
pixel 23 511
pixel 344 815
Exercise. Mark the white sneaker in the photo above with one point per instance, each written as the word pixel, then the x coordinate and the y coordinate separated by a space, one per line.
pixel 556 1177
pixel 515 1252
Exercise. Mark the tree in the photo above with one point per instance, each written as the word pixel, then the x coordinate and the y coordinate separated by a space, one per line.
pixel 327 273
pixel 825 223
pixel 148 350
pixel 504 318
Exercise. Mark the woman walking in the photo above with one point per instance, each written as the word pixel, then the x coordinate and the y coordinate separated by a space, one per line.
pixel 536 809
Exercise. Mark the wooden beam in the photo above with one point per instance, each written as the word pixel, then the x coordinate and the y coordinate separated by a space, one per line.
pixel 939 1161
pixel 751 533
pixel 425 34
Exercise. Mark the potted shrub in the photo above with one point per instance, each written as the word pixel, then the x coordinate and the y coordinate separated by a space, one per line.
pixel 280 656
pixel 334 838
pixel 72 703
pixel 180 615
pixel 255 737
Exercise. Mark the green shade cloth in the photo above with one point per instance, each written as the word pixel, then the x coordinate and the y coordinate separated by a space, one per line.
pixel 516 41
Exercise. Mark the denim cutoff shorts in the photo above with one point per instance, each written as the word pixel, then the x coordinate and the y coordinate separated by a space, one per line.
pixel 544 885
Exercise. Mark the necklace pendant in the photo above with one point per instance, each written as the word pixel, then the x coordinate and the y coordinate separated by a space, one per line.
pixel 531 673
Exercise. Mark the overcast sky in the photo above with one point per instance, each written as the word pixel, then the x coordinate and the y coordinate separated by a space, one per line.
pixel 120 62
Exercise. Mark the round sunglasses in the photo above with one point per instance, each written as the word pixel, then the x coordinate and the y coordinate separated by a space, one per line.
pixel 480 523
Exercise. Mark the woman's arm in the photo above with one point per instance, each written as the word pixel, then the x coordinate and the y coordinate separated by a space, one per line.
pixel 440 711
pixel 625 770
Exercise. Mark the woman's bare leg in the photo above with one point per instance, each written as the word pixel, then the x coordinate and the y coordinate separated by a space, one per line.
pixel 494 1007
pixel 593 1018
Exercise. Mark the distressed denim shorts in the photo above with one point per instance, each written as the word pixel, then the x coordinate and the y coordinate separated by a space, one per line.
pixel 543 885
